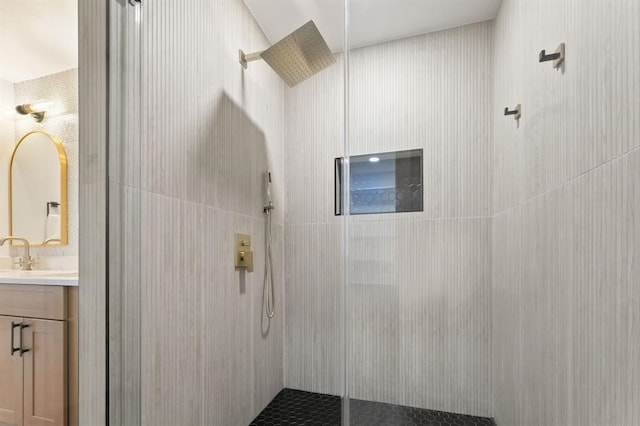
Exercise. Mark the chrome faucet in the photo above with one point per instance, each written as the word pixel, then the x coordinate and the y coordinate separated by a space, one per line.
pixel 27 262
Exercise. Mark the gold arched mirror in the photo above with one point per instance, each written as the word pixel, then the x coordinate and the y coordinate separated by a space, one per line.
pixel 38 190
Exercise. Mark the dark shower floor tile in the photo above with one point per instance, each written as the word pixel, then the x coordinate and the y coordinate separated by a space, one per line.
pixel 293 407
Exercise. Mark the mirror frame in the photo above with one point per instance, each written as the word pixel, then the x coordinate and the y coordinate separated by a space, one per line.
pixel 62 157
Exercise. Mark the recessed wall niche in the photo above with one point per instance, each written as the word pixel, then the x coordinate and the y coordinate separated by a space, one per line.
pixel 388 182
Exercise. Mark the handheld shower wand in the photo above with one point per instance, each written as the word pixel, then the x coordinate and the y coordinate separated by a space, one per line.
pixel 268 292
pixel 268 204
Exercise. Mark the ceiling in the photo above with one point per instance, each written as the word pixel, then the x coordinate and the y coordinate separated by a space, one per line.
pixel 37 38
pixel 372 21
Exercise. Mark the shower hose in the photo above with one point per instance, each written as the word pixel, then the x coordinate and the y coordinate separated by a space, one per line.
pixel 268 293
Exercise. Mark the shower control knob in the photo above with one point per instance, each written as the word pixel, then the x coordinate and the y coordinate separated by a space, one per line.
pixel 243 253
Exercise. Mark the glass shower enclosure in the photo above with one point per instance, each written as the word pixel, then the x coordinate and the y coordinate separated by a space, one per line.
pixel 419 235
pixel 381 229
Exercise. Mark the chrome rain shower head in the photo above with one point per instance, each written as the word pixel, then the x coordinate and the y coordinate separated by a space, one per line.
pixel 298 56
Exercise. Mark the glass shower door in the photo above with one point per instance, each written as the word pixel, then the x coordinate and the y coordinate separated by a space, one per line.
pixel 124 213
pixel 419 241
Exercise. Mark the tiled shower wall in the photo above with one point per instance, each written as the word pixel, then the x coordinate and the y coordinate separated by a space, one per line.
pixel 565 303
pixel 187 342
pixel 209 129
pixel 566 232
pixel 419 305
pixel 92 100
pixel 313 348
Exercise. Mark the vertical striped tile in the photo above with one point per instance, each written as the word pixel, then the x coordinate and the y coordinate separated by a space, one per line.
pixel 208 130
pixel 564 234
pixel 420 319
pixel 92 77
pixel 314 296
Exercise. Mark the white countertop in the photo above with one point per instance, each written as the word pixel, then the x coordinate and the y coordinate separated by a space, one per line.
pixel 39 277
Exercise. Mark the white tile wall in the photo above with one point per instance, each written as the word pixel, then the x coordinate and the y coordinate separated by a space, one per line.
pixel 208 130
pixel 7 136
pixel 215 126
pixel 314 137
pixel 445 315
pixel 125 247
pixel 313 350
pixel 92 306
pixel 551 276
pixel 605 318
pixel 574 120
pixel 532 306
pixel 61 123
pixel 419 283
pixel 432 92
pixel 565 303
pixel 125 356
pixel 92 77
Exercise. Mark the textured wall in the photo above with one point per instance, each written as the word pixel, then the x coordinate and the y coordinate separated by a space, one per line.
pixel 92 100
pixel 566 300
pixel 125 252
pixel 7 136
pixel 565 226
pixel 419 289
pixel 61 123
pixel 314 265
pixel 208 130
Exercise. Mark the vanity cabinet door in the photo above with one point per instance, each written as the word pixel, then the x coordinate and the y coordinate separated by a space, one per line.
pixel 10 374
pixel 45 373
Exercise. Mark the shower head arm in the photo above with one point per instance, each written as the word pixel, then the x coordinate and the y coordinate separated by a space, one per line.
pixel 249 57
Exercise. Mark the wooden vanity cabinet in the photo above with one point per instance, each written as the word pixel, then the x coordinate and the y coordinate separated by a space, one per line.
pixel 33 357
pixel 11 384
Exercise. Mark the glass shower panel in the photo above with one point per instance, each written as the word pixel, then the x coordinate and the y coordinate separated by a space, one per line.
pixel 124 256
pixel 376 251
pixel 417 281
pixel 314 236
pixel 189 147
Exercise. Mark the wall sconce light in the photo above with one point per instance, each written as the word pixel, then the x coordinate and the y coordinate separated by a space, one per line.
pixel 36 109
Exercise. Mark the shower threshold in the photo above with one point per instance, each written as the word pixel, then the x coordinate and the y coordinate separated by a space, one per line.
pixel 294 407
